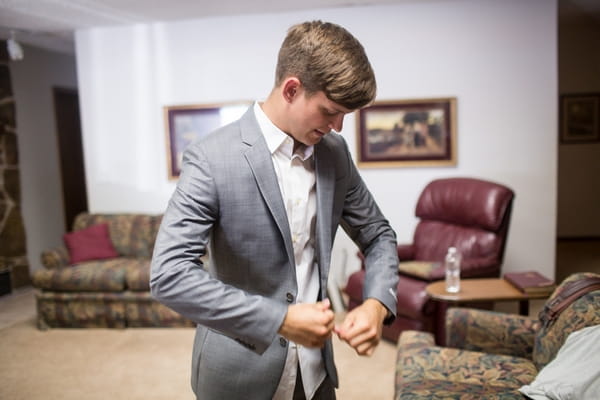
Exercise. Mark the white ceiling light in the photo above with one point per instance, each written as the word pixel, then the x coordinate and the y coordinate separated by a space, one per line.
pixel 15 51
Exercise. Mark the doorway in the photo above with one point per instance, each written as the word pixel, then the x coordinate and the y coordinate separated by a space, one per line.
pixel 70 149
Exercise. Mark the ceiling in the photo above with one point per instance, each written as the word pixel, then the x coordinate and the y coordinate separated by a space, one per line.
pixel 50 23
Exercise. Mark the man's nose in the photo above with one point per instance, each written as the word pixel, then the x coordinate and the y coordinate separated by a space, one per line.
pixel 337 123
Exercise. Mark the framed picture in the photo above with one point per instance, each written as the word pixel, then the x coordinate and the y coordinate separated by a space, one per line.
pixel 187 123
pixel 580 118
pixel 407 133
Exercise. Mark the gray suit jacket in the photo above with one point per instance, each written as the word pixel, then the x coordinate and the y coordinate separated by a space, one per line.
pixel 228 202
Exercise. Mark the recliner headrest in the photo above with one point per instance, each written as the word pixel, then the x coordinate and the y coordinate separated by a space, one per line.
pixel 465 201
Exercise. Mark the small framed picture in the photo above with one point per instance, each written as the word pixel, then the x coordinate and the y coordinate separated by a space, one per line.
pixel 580 118
pixel 187 123
pixel 407 133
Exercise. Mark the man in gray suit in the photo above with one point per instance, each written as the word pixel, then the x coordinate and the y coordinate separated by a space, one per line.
pixel 264 196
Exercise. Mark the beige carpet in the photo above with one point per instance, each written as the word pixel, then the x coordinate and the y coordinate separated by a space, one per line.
pixel 134 363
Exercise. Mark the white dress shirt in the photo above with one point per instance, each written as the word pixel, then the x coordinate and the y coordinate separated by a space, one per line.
pixel 296 178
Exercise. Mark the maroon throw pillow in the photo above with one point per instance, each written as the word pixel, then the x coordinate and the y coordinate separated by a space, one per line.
pixel 91 243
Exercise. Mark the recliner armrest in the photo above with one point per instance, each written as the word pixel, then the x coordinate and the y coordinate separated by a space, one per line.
pixel 427 271
pixel 473 268
pixel 406 252
pixel 491 332
pixel 55 258
pixel 481 267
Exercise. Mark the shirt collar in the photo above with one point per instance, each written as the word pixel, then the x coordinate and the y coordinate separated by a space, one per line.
pixel 277 139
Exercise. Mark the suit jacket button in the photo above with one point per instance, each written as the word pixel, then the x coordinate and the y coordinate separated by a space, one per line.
pixel 289 297
pixel 282 342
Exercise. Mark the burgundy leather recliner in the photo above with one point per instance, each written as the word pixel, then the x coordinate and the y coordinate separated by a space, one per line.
pixel 470 214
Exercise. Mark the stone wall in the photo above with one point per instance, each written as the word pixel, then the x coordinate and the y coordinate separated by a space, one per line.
pixel 13 249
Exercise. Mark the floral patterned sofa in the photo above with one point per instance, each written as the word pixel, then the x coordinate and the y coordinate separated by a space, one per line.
pixel 110 292
pixel 490 355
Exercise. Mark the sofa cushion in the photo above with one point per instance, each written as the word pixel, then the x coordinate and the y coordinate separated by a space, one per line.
pixel 425 371
pixel 581 313
pixel 133 235
pixel 91 243
pixel 91 276
pixel 137 275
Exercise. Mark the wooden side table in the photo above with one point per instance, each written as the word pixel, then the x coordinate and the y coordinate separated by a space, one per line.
pixel 478 291
pixel 483 290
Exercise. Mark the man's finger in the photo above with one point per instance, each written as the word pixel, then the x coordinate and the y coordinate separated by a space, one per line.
pixel 347 324
pixel 365 349
pixel 324 305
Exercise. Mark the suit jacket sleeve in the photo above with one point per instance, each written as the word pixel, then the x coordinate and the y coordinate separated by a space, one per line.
pixel 178 277
pixel 365 224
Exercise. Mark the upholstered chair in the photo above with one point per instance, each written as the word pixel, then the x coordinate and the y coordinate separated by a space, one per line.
pixel 470 214
pixel 491 355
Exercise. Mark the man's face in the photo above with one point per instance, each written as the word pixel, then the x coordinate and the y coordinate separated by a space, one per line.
pixel 314 116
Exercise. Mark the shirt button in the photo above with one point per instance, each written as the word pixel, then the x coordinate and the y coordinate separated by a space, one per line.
pixel 289 297
pixel 282 342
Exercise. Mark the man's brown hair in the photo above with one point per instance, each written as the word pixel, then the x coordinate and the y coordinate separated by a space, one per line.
pixel 326 57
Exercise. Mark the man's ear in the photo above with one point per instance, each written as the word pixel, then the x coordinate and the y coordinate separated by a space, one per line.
pixel 291 89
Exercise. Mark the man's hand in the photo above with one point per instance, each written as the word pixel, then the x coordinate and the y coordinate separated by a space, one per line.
pixel 362 326
pixel 307 324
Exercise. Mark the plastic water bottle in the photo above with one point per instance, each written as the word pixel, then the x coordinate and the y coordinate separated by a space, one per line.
pixel 452 267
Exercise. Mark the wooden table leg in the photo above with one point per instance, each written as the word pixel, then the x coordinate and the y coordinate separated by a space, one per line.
pixel 524 307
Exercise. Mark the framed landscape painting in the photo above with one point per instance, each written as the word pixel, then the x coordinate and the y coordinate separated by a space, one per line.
pixel 187 123
pixel 407 133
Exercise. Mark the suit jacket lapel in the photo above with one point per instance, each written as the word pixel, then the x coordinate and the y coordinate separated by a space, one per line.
pixel 259 160
pixel 325 175
pixel 266 179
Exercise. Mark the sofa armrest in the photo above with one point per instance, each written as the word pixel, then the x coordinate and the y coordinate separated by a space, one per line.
pixel 56 257
pixel 491 332
pixel 415 340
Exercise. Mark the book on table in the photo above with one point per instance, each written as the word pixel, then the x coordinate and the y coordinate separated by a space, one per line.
pixel 530 282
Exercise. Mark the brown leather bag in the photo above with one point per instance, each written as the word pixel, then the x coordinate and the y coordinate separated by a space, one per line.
pixel 571 292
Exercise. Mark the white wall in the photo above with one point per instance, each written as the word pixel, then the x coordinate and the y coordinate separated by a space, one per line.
pixel 42 204
pixel 497 58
